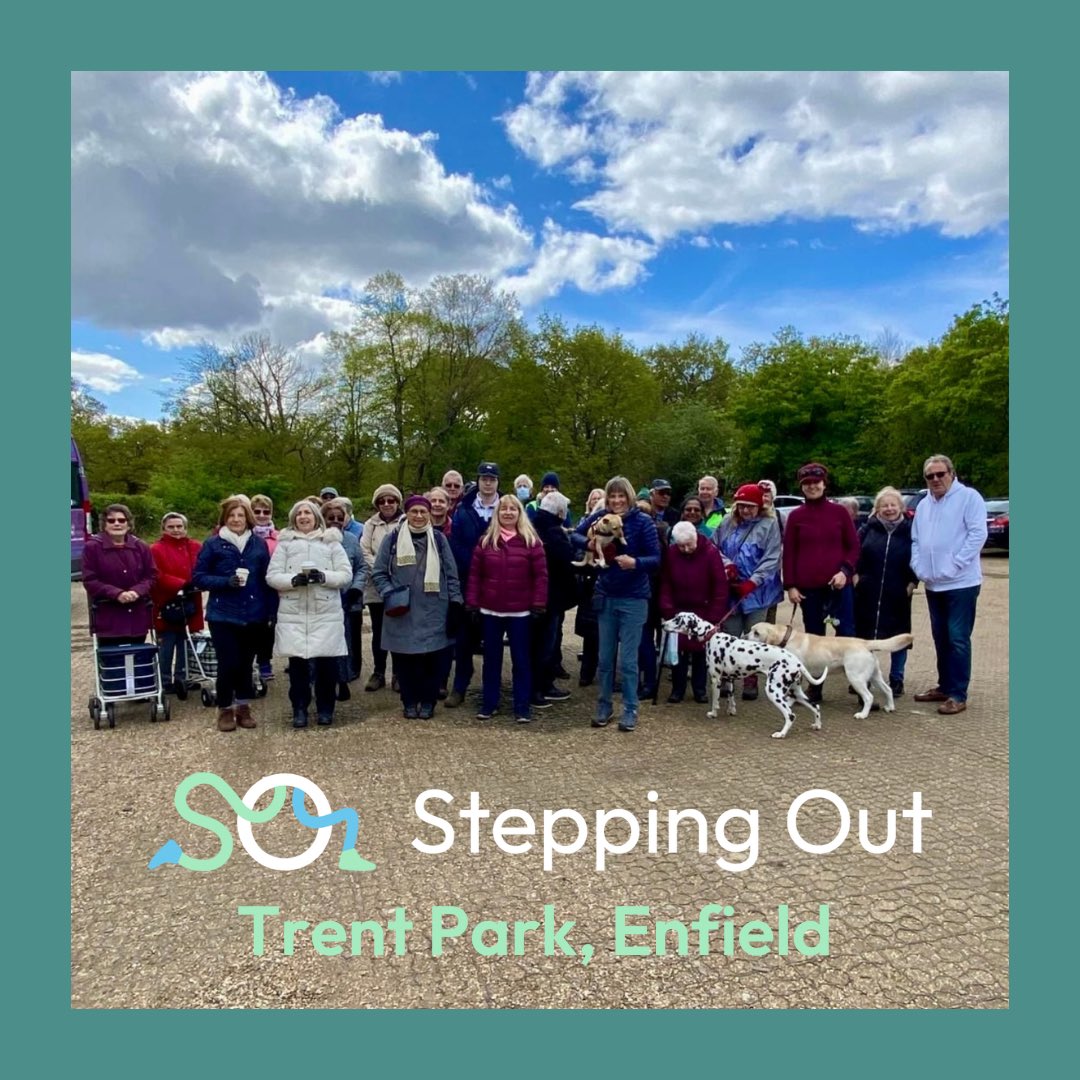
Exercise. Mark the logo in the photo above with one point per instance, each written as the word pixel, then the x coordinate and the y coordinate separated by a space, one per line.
pixel 246 816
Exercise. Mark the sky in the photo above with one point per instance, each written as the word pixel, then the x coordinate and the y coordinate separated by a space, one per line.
pixel 208 205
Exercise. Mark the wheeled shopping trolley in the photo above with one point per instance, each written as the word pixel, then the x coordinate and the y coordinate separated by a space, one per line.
pixel 126 673
pixel 201 662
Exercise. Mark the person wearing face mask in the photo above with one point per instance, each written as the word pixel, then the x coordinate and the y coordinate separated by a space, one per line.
pixel 884 578
pixel 749 540
pixel 309 569
pixel 621 599
pixel 508 584
pixel 387 504
pixel 335 515
pixel 523 489
pixel 418 558
pixel 232 567
pixel 175 555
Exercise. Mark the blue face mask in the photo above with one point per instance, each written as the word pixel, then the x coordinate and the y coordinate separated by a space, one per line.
pixel 522 493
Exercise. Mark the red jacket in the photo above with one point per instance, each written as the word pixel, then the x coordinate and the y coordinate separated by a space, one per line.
pixel 696 582
pixel 819 540
pixel 507 578
pixel 174 559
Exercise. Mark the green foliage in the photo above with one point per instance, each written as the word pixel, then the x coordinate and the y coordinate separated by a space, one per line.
pixel 146 509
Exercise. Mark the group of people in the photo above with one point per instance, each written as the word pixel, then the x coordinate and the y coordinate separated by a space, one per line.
pixel 462 569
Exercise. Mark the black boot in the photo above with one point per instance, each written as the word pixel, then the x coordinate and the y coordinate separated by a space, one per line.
pixel 749 688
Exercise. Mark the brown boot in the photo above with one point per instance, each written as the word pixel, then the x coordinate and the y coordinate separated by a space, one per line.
pixel 226 720
pixel 244 718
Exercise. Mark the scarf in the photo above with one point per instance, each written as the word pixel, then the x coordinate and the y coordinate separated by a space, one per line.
pixel 264 530
pixel 406 556
pixel 506 534
pixel 890 525
pixel 239 542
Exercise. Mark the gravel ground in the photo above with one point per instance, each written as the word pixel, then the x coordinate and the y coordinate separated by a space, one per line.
pixel 906 930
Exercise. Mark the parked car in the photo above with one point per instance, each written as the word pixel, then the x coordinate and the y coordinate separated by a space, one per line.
pixel 912 498
pixel 784 504
pixel 866 507
pixel 997 524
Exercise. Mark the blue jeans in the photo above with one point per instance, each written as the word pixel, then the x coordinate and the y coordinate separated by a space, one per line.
pixel 840 603
pixel 952 618
pixel 620 623
pixel 519 631
pixel 171 649
pixel 897 665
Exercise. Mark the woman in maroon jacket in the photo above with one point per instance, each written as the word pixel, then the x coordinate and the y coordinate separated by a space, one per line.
pixel 507 584
pixel 821 549
pixel 118 573
pixel 174 559
pixel 692 578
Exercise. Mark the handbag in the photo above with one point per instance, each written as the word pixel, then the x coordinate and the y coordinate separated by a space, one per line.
pixel 398 600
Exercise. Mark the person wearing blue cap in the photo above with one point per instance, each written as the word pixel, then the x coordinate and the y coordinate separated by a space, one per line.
pixel 660 497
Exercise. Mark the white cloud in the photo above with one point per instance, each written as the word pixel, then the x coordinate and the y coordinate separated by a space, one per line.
pixel 100 372
pixel 200 201
pixel 700 242
pixel 502 183
pixel 684 151
pixel 727 245
pixel 384 78
pixel 593 263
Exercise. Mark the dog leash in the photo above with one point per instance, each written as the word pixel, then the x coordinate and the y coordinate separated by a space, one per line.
pixel 790 626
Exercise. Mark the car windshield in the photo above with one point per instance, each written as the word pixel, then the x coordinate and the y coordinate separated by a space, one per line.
pixel 997 506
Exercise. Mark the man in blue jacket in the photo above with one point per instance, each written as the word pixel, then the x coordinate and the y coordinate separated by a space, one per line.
pixel 947 537
pixel 471 519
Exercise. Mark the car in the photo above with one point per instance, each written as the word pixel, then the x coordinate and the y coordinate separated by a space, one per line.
pixel 997 524
pixel 784 504
pixel 912 498
pixel 866 508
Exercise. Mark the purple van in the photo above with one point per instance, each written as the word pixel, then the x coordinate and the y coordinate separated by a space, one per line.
pixel 80 512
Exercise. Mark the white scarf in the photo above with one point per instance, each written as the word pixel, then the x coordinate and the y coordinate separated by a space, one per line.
pixel 406 556
pixel 239 541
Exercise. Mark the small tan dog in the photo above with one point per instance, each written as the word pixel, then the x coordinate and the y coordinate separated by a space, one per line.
pixel 854 655
pixel 606 536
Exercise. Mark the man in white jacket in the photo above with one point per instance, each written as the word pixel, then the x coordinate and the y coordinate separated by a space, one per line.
pixel 947 537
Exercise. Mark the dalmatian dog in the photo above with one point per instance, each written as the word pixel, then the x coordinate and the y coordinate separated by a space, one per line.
pixel 728 657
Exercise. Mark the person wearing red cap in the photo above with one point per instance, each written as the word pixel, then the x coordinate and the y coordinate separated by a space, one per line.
pixel 749 541
pixel 821 550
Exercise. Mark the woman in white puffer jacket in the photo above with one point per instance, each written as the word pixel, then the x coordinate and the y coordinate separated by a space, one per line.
pixel 309 568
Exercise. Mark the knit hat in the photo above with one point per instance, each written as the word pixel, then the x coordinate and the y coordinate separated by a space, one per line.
pixel 385 489
pixel 813 471
pixel 750 493
pixel 417 500
pixel 550 479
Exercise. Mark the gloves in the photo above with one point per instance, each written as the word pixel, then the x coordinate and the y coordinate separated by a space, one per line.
pixel 732 573
pixel 744 588
pixel 352 596
pixel 316 577
pixel 299 580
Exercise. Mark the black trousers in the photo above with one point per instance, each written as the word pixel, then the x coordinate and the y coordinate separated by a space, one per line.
pixel 235 645
pixel 418 677
pixel 264 647
pixel 326 669
pixel 378 656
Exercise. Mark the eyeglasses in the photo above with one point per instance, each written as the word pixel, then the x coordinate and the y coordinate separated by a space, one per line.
pixel 259 511
pixel 386 500
pixel 935 475
pixel 451 487
pixel 116 521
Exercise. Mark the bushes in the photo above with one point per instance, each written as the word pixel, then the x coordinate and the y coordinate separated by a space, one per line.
pixel 146 510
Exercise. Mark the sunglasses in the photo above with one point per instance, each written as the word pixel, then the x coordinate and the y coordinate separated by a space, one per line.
pixel 385 500
pixel 116 521
pixel 259 511
pixel 935 475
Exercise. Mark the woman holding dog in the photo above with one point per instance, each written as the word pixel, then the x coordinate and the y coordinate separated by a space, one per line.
pixel 749 540
pixel 309 568
pixel 692 579
pixel 621 599
pixel 885 580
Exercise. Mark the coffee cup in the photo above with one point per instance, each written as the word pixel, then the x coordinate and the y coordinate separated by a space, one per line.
pixel 308 568
pixel 242 573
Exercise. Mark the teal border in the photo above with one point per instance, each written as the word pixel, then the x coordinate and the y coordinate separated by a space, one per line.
pixel 46 45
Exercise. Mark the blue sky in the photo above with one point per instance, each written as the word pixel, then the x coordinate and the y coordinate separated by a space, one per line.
pixel 208 205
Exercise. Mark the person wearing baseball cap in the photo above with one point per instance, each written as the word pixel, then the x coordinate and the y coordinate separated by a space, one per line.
pixel 660 497
pixel 821 549
pixel 328 493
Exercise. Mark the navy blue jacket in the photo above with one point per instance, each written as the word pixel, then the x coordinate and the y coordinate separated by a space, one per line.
pixel 639 532
pixel 217 562
pixel 467 528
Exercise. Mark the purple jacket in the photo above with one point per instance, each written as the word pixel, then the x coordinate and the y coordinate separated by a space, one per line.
pixel 819 540
pixel 511 577
pixel 695 582
pixel 110 569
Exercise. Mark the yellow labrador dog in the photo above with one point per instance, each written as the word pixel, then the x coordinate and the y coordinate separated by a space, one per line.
pixel 854 655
